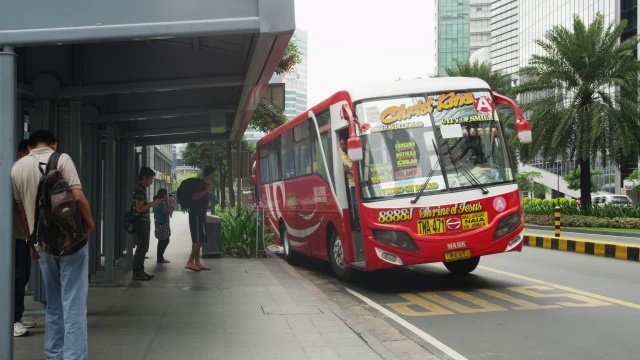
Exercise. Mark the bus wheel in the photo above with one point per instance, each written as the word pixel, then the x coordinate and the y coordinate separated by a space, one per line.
pixel 289 255
pixel 336 257
pixel 462 267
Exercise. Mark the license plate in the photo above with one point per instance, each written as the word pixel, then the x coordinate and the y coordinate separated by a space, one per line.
pixel 457 255
pixel 431 226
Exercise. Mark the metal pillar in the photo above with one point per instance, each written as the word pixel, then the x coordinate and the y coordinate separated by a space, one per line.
pixel 239 174
pixel 99 194
pixel 89 180
pixel 131 176
pixel 110 233
pixel 7 157
pixel 75 141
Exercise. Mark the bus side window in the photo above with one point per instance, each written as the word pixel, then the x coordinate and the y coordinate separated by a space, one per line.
pixel 264 165
pixel 288 157
pixel 302 149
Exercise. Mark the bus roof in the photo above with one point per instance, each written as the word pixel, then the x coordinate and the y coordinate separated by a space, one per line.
pixel 429 85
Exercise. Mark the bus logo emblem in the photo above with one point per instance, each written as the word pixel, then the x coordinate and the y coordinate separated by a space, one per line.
pixel 454 223
pixel 499 204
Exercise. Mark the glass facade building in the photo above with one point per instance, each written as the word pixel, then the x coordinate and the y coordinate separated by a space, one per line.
pixel 515 27
pixel 504 36
pixel 453 33
pixel 464 27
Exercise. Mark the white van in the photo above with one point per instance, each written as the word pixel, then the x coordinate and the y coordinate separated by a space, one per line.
pixel 618 200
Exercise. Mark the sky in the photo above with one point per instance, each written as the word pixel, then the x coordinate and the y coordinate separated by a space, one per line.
pixel 354 43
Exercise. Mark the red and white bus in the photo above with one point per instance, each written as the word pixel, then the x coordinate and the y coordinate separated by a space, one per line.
pixel 427 177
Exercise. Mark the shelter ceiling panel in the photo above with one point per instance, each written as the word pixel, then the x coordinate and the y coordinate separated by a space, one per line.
pixel 89 13
pixel 163 100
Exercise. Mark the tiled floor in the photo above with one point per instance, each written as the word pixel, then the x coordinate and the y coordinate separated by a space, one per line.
pixel 242 309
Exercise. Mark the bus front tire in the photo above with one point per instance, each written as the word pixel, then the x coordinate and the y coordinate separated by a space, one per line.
pixel 289 255
pixel 336 258
pixel 462 267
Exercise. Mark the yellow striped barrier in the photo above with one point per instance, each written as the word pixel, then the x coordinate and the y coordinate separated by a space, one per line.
pixel 591 247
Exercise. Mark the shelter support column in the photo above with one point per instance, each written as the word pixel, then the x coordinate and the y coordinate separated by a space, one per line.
pixel 89 180
pixel 7 157
pixel 110 232
pixel 131 175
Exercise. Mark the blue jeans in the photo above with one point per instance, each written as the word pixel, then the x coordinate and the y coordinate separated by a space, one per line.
pixel 67 282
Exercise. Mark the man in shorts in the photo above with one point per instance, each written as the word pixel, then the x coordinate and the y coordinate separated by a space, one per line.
pixel 197 219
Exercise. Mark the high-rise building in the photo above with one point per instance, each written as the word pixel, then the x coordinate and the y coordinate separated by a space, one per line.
pixel 295 101
pixel 463 27
pixel 504 36
pixel 453 34
pixel 515 27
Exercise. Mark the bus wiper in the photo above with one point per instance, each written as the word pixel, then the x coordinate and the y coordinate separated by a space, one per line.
pixel 433 170
pixel 472 179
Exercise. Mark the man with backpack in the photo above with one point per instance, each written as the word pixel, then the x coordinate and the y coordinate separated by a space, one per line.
pixel 64 264
pixel 194 194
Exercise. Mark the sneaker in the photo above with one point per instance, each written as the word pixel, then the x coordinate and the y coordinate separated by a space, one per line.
pixel 140 277
pixel 28 324
pixel 148 275
pixel 19 329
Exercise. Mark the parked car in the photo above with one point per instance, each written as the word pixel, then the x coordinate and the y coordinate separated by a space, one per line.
pixel 616 200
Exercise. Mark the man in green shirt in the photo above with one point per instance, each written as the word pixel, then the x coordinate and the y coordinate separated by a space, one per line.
pixel 143 227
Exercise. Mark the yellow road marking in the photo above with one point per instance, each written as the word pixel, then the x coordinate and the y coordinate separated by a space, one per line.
pixel 575 291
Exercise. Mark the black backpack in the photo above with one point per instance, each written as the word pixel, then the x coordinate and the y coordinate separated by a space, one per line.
pixel 187 188
pixel 59 226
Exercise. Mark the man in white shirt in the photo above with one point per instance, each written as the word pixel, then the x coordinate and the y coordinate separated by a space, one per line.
pixel 66 278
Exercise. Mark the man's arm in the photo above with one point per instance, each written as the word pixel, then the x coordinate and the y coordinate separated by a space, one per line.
pixel 203 193
pixel 22 217
pixel 78 194
pixel 141 207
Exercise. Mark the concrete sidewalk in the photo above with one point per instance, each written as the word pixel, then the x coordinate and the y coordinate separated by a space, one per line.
pixel 242 309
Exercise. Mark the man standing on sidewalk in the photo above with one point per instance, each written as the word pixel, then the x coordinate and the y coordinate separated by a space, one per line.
pixel 198 217
pixel 66 278
pixel 143 224
pixel 22 265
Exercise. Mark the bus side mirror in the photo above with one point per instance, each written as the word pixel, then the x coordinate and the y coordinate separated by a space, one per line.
pixel 354 149
pixel 252 179
pixel 522 125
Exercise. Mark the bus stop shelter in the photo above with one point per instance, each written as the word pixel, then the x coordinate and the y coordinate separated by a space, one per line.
pixel 109 77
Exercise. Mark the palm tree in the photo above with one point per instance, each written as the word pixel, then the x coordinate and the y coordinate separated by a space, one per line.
pixel 497 80
pixel 581 95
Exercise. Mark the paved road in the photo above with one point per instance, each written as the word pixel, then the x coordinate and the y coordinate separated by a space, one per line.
pixel 539 304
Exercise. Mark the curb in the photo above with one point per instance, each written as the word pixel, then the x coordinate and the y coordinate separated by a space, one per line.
pixel 612 250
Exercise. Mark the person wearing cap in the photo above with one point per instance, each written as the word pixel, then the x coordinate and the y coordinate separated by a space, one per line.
pixel 197 219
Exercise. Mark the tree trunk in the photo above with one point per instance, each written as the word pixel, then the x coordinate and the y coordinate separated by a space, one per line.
pixel 585 185
pixel 232 198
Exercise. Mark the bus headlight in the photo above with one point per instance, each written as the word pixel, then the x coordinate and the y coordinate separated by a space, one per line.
pixel 398 239
pixel 507 225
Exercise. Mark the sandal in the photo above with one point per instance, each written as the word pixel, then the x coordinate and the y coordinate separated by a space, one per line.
pixel 204 267
pixel 192 267
pixel 164 261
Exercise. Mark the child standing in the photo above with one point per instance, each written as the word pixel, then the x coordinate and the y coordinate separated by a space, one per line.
pixel 161 214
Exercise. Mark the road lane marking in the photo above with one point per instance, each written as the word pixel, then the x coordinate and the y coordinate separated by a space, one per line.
pixel 522 304
pixel 418 332
pixel 481 305
pixel 576 291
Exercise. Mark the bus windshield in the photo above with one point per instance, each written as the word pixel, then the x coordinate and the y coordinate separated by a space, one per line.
pixel 454 139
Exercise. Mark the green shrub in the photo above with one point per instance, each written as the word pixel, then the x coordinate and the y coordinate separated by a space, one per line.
pixel 526 200
pixel 584 221
pixel 573 202
pixel 537 201
pixel 238 227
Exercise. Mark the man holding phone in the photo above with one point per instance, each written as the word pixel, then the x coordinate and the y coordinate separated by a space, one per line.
pixel 198 217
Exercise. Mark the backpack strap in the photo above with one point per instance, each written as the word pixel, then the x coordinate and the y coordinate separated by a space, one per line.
pixel 51 164
pixel 53 161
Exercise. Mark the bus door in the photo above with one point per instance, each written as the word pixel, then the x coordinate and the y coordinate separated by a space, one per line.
pixel 345 183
